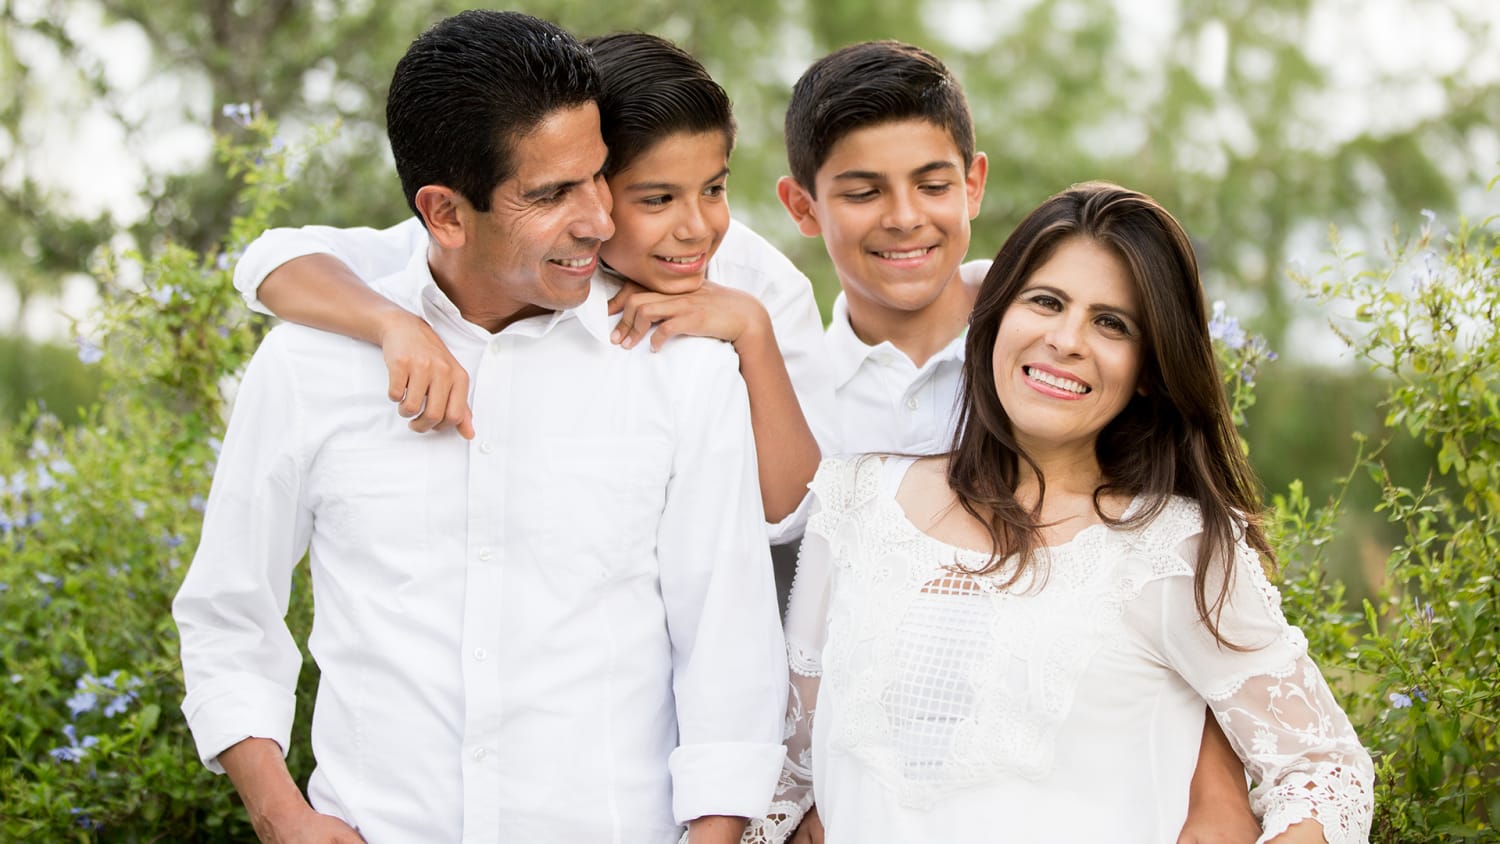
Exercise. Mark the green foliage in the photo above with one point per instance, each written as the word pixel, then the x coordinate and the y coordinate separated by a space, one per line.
pixel 1419 668
pixel 97 522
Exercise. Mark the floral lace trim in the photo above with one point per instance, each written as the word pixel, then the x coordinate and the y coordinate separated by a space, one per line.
pixel 776 827
pixel 1335 796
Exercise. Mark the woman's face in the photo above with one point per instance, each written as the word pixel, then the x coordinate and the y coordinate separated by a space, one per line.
pixel 1068 354
pixel 671 212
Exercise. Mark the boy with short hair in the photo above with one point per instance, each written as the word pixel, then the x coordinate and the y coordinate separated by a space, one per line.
pixel 880 144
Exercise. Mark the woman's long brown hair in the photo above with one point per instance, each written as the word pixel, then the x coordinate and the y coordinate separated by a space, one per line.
pixel 1175 437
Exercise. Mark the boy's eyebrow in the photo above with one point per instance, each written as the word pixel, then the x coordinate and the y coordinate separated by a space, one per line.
pixel 671 186
pixel 871 176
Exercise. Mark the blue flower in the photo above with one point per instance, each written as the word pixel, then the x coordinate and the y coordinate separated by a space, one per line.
pixel 46 579
pixel 1225 329
pixel 75 750
pixel 138 508
pixel 171 540
pixel 84 701
pixel 1400 701
pixel 118 705
pixel 44 479
pixel 164 294
pixel 88 350
pixel 1417 692
pixel 241 113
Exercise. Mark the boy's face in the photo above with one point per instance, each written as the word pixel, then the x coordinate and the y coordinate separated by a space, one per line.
pixel 670 212
pixel 893 206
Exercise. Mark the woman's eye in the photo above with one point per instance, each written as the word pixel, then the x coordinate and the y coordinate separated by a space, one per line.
pixel 1114 323
pixel 1049 302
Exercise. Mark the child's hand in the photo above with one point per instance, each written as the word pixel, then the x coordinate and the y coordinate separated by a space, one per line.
pixel 810 831
pixel 710 311
pixel 430 385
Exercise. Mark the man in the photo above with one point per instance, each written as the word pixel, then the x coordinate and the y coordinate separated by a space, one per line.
pixel 561 630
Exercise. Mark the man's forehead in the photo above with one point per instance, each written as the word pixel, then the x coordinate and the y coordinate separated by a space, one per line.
pixel 564 145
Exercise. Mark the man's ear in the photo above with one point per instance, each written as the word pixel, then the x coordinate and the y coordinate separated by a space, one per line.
pixel 445 213
pixel 799 204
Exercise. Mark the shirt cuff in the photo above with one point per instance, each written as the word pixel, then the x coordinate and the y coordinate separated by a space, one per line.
pixel 790 529
pixel 267 252
pixel 737 779
pixel 230 709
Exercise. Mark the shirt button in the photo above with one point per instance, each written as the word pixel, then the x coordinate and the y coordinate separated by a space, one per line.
pixel 479 754
pixel 485 553
pixel 485 448
pixel 481 654
pixel 495 346
pixel 912 403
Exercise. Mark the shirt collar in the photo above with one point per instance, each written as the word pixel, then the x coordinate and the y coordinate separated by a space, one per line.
pixel 415 289
pixel 848 353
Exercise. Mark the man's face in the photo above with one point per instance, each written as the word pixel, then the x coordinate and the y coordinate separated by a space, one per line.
pixel 538 245
pixel 893 206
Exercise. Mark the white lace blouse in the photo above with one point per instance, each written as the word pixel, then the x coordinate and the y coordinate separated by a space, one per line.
pixel 1066 709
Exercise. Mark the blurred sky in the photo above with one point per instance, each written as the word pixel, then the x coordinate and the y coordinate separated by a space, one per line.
pixel 80 151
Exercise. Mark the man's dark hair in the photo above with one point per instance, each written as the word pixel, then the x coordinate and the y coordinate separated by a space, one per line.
pixel 866 85
pixel 650 89
pixel 469 87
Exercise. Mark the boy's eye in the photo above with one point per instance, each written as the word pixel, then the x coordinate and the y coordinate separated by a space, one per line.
pixel 656 200
pixel 715 191
pixel 936 187
pixel 861 195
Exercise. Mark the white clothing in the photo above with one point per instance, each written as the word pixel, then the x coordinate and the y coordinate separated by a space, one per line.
pixel 937 707
pixel 744 261
pixel 521 635
pixel 886 403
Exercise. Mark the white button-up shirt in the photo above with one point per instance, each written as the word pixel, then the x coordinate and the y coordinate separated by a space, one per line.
pixel 886 403
pixel 745 261
pixel 564 630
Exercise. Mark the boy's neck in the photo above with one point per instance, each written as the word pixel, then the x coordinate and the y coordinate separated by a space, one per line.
pixel 918 334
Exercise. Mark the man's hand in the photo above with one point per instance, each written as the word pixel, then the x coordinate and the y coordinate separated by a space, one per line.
pixel 710 311
pixel 431 387
pixel 276 806
pixel 810 831
pixel 308 827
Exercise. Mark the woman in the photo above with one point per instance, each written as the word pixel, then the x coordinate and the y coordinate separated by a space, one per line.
pixel 1014 641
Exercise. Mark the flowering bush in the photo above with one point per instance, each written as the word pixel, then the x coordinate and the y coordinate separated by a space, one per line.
pixel 1418 669
pixel 97 522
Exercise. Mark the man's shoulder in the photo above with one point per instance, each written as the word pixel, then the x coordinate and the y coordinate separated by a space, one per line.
pixel 319 361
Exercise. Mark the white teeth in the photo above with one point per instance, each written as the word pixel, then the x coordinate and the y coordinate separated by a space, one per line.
pixel 573 263
pixel 688 260
pixel 1052 380
pixel 897 256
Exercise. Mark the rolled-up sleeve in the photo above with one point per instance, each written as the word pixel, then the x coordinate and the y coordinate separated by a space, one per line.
pixel 239 660
pixel 728 656
pixel 370 253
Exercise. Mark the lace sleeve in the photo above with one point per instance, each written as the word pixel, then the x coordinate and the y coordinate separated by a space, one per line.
pixel 1274 706
pixel 806 629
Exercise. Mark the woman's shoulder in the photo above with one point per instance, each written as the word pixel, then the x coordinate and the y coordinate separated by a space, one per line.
pixel 845 482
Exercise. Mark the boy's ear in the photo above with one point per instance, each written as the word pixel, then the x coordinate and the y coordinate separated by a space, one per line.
pixel 799 204
pixel 442 208
pixel 979 170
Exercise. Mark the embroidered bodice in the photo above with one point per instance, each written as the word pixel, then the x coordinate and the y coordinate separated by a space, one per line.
pixel 935 688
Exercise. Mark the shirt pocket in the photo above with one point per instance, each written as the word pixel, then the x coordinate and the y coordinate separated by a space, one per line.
pixel 372 502
pixel 602 504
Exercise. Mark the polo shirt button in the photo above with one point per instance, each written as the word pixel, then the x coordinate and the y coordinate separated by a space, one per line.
pixel 486 448
pixel 912 403
pixel 479 754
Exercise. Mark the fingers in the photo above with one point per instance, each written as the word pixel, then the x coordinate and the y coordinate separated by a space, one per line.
pixel 627 290
pixel 638 314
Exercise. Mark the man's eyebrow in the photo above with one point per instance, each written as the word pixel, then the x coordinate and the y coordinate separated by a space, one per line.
pixel 550 188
